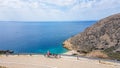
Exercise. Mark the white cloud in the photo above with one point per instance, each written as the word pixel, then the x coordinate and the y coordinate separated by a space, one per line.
pixel 59 2
pixel 57 9
pixel 35 3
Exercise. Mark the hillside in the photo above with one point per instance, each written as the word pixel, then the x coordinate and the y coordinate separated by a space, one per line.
pixel 104 36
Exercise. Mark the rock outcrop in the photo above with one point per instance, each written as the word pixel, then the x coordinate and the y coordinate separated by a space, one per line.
pixel 6 52
pixel 103 35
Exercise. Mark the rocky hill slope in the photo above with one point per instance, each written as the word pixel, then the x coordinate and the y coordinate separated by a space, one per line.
pixel 104 35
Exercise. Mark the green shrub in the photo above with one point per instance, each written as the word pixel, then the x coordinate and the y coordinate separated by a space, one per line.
pixel 113 55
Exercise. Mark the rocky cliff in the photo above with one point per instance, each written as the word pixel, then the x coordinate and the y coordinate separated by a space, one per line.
pixel 104 35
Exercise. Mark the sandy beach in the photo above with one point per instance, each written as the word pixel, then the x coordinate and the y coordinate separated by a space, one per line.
pixel 40 61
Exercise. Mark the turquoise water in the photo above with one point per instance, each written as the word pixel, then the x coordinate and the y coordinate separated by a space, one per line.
pixel 38 37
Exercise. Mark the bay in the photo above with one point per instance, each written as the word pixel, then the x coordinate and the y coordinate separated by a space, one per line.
pixel 38 37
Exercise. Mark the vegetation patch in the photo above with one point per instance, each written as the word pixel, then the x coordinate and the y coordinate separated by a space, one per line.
pixel 113 55
pixel 97 54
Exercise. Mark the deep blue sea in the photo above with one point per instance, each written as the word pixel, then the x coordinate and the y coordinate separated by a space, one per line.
pixel 38 37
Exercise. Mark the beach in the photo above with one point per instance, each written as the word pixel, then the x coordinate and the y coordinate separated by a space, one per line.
pixel 40 61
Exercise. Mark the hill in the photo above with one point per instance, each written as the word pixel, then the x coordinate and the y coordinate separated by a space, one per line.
pixel 103 36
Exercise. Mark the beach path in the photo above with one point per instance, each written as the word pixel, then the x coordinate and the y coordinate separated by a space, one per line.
pixel 39 61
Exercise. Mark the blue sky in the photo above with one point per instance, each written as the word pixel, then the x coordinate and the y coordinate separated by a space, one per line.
pixel 57 10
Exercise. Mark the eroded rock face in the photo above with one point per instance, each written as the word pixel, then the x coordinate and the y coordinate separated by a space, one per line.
pixel 100 36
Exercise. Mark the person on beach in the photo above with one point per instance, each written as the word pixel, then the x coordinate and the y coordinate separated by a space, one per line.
pixel 48 53
pixel 77 57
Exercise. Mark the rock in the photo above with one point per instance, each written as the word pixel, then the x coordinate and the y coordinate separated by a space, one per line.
pixel 100 36
pixel 6 52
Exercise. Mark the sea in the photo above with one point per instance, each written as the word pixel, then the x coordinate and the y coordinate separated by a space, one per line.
pixel 39 37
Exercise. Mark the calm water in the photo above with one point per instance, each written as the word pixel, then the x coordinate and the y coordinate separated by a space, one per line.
pixel 38 37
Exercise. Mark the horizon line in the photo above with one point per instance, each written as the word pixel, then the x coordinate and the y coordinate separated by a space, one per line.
pixel 50 21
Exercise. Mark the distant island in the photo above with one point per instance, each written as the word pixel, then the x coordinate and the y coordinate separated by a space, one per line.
pixel 100 40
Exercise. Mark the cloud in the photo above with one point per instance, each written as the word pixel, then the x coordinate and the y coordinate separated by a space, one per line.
pixel 40 10
pixel 49 4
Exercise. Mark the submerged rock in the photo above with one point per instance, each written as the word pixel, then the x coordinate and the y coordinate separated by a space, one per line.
pixel 103 35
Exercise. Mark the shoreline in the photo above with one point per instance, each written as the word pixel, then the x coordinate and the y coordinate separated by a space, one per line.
pixel 69 53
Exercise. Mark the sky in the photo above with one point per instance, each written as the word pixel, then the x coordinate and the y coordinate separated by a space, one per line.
pixel 57 10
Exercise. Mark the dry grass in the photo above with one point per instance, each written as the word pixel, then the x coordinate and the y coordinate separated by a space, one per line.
pixel 97 54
